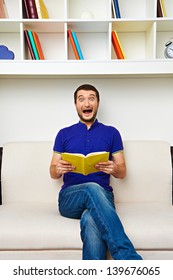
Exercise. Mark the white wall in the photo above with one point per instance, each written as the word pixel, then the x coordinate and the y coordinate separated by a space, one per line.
pixel 35 109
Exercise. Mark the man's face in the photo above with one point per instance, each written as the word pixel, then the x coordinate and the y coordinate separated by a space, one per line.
pixel 87 106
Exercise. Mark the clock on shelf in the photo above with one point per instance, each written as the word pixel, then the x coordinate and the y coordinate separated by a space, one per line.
pixel 169 49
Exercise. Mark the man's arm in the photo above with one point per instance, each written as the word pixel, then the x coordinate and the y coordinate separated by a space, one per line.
pixel 115 167
pixel 58 167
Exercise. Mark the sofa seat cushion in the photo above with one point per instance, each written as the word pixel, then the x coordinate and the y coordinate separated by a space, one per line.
pixel 148 225
pixel 39 226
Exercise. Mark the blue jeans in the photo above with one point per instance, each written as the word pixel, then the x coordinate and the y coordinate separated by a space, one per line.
pixel 101 228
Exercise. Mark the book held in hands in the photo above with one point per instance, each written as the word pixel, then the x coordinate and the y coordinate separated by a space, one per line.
pixel 85 164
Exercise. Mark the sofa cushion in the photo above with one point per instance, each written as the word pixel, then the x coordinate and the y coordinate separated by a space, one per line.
pixel 39 226
pixel 25 173
pixel 149 173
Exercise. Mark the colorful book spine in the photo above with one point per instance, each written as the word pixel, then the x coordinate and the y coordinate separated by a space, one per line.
pixel 73 44
pixel 117 46
pixel 117 9
pixel 163 7
pixel 38 45
pixel 33 45
pixel 31 9
pixel 41 9
pixel 29 44
pixel 25 9
pixel 159 9
pixel 77 45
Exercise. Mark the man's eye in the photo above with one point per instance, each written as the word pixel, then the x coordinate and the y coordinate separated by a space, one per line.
pixel 81 99
pixel 92 99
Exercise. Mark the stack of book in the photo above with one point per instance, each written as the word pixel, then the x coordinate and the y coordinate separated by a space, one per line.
pixel 75 44
pixel 34 45
pixel 117 45
pixel 35 9
pixel 3 9
pixel 161 11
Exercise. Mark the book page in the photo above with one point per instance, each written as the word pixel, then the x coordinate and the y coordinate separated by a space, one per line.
pixel 85 164
pixel 93 159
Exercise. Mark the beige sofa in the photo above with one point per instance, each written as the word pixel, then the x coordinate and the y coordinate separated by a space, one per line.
pixel 31 227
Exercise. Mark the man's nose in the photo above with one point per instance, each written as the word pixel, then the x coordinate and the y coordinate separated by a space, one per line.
pixel 87 103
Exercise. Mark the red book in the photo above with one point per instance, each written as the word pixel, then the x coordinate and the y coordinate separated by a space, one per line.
pixel 29 44
pixel 31 9
pixel 38 45
pixel 73 44
pixel 117 46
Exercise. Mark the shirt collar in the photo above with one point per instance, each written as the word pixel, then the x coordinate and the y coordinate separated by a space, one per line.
pixel 82 124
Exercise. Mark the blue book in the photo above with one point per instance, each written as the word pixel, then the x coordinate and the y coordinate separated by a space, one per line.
pixel 117 9
pixel 33 45
pixel 77 45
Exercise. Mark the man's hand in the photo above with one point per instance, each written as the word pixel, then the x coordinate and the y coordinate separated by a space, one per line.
pixel 63 167
pixel 58 167
pixel 106 166
pixel 115 167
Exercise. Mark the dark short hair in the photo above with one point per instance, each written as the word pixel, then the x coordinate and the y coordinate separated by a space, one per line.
pixel 86 87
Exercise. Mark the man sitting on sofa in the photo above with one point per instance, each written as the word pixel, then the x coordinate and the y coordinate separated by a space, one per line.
pixel 90 197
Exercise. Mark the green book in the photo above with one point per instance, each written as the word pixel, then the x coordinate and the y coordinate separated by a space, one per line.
pixel 33 45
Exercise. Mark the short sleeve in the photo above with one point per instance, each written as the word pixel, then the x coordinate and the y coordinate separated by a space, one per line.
pixel 58 144
pixel 117 143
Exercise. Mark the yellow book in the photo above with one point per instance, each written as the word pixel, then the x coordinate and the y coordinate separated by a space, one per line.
pixel 85 164
pixel 163 7
pixel 41 9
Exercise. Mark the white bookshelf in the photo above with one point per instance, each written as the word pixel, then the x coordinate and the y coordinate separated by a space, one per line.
pixel 142 35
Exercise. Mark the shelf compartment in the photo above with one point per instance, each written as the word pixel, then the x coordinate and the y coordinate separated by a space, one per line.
pixel 56 9
pixel 137 39
pixel 143 9
pixel 89 9
pixel 51 35
pixel 93 39
pixel 10 37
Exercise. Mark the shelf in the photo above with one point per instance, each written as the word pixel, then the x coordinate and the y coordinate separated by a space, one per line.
pixel 142 35
pixel 73 68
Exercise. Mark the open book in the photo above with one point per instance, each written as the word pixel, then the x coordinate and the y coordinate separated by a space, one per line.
pixel 85 164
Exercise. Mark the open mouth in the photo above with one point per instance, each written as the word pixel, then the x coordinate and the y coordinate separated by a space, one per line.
pixel 89 111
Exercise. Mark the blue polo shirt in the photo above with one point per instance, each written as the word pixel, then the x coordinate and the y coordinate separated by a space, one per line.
pixel 79 139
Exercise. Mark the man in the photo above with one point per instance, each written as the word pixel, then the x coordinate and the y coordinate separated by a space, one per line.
pixel 90 198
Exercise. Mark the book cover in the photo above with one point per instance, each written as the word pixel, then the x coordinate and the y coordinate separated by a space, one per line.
pixel 116 9
pixel 41 9
pixel 25 9
pixel 163 7
pixel 117 46
pixel 73 44
pixel 31 38
pixel 159 9
pixel 3 9
pixel 32 10
pixel 29 44
pixel 85 164
pixel 38 45
pixel 77 45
